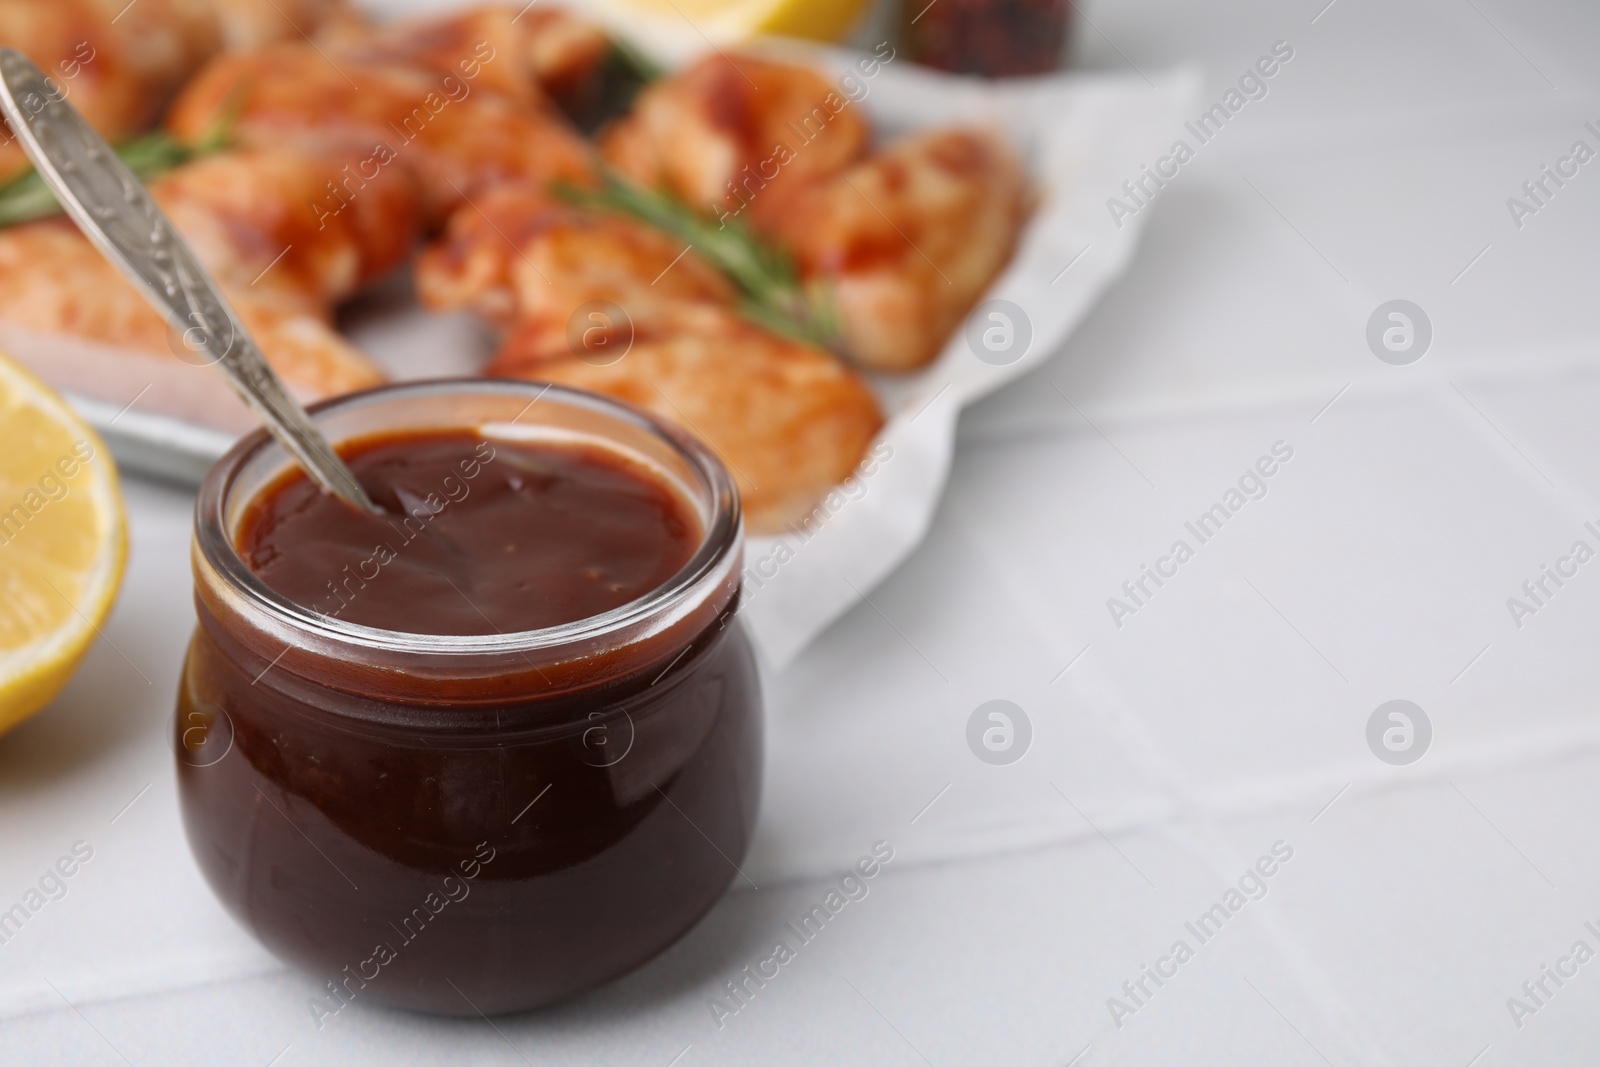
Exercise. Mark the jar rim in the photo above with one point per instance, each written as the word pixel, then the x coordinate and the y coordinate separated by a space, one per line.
pixel 720 539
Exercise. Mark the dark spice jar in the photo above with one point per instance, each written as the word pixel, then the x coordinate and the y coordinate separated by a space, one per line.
pixel 469 822
pixel 994 38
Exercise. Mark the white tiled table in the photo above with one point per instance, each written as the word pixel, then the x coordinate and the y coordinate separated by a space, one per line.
pixel 1167 755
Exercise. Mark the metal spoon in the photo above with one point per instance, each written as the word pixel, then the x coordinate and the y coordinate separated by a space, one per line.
pixel 112 208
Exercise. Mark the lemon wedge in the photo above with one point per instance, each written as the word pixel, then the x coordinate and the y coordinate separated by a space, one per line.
pixel 63 542
pixel 735 20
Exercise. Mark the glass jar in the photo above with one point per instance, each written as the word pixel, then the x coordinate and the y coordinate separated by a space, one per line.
pixel 470 824
pixel 994 38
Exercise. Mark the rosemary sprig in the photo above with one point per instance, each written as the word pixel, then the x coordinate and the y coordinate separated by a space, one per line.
pixel 623 75
pixel 636 62
pixel 26 197
pixel 771 292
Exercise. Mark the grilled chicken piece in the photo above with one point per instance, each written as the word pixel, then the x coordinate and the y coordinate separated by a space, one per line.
pixel 119 63
pixel 790 421
pixel 56 283
pixel 253 23
pixel 250 209
pixel 456 139
pixel 539 52
pixel 249 216
pixel 908 240
pixel 737 136
pixel 518 256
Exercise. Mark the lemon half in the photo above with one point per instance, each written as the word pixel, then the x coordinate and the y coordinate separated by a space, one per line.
pixel 734 20
pixel 63 542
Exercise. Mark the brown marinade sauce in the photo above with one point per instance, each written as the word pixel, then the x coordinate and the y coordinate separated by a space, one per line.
pixel 479 537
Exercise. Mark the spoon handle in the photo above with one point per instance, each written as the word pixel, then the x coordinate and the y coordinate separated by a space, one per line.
pixel 110 205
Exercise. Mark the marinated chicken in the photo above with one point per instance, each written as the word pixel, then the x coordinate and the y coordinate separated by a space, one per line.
pixel 790 422
pixel 519 256
pixel 606 304
pixel 411 101
pixel 737 136
pixel 248 216
pixel 540 52
pixel 246 210
pixel 908 240
pixel 905 240
pixel 119 63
